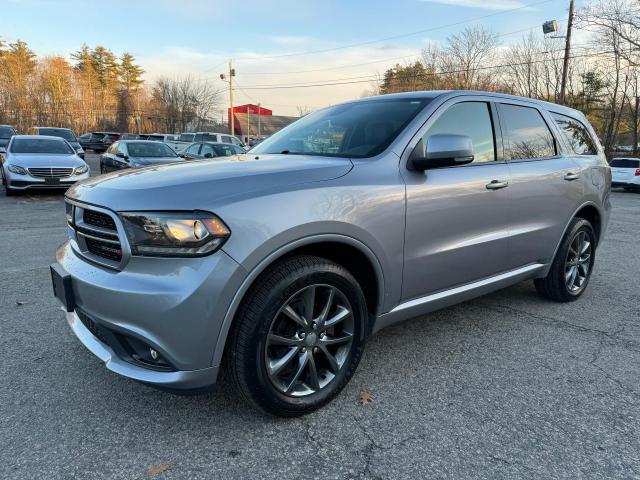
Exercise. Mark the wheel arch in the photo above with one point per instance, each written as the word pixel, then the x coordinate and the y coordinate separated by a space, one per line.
pixel 589 211
pixel 352 254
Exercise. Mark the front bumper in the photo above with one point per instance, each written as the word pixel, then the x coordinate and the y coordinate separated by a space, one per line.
pixel 175 306
pixel 175 380
pixel 25 182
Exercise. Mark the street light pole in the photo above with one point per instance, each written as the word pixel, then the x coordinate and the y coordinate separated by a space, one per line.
pixel 567 51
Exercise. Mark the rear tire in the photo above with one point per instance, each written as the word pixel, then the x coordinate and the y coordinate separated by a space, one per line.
pixel 298 337
pixel 572 266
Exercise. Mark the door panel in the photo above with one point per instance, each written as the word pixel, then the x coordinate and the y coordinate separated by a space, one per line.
pixel 545 190
pixel 457 228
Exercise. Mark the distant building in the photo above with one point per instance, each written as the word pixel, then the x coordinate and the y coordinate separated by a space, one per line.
pixel 256 121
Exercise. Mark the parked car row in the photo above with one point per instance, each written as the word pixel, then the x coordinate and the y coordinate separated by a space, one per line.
pixel 100 141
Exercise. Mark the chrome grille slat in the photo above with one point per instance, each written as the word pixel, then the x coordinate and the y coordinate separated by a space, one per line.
pixel 51 172
pixel 97 235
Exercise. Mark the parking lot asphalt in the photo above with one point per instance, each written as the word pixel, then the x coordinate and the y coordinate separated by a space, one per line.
pixel 505 386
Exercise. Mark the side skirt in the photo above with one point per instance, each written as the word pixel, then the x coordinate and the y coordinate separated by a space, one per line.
pixel 446 298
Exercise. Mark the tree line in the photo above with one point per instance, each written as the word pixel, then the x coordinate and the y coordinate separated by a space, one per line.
pixel 97 90
pixel 603 75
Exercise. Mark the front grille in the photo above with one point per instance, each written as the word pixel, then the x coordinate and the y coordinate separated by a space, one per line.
pixel 98 219
pixel 104 249
pixel 96 234
pixel 51 172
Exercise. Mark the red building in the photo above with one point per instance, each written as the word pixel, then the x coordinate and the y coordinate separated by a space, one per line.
pixel 253 121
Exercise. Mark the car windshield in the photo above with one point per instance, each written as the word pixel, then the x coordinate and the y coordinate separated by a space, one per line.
pixel 6 132
pixel 58 132
pixel 40 145
pixel 625 163
pixel 358 130
pixel 151 150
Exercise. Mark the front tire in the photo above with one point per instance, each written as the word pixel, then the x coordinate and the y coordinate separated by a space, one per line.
pixel 572 266
pixel 298 337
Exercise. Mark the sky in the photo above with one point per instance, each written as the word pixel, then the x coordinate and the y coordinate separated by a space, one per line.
pixel 272 43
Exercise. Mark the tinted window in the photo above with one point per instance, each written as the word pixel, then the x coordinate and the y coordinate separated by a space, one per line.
pixel 239 150
pixel 187 137
pixel 207 151
pixel 625 163
pixel 58 132
pixel 526 134
pixel 225 150
pixel 6 132
pixel 576 134
pixel 40 145
pixel 226 139
pixel 359 129
pixel 472 119
pixel 149 150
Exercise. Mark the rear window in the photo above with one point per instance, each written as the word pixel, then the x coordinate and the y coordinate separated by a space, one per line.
pixel 187 137
pixel 40 145
pixel 576 134
pixel 625 163
pixel 58 132
pixel 6 132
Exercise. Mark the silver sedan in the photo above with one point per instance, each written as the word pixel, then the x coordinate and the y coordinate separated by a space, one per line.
pixel 39 161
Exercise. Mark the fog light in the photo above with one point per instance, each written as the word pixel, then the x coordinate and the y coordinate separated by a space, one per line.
pixel 155 355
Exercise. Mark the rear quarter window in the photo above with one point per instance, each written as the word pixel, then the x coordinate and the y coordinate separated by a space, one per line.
pixel 576 135
pixel 625 163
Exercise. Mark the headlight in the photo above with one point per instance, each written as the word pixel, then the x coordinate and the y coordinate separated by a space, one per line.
pixel 82 169
pixel 17 169
pixel 174 234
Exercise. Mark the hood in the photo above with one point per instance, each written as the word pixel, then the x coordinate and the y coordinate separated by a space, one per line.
pixel 193 185
pixel 146 161
pixel 30 160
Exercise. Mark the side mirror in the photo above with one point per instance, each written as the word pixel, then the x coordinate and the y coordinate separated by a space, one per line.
pixel 182 155
pixel 122 156
pixel 442 150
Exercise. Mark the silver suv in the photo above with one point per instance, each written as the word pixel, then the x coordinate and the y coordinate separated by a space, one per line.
pixel 278 264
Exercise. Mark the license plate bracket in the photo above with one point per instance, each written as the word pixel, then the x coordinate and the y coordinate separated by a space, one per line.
pixel 52 181
pixel 62 288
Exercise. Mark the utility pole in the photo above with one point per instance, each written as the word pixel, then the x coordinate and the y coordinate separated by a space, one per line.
pixel 567 51
pixel 223 77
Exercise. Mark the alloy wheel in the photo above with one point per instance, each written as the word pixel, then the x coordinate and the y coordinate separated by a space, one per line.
pixel 578 262
pixel 309 340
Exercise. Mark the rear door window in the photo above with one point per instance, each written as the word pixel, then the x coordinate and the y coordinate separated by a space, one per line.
pixel 525 133
pixel 576 134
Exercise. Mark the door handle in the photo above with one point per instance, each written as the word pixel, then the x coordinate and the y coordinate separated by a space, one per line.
pixel 569 177
pixel 496 185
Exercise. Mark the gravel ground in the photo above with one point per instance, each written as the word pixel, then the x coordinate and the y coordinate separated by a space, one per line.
pixel 505 386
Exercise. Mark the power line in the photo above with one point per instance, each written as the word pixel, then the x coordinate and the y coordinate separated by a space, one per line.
pixel 375 76
pixel 388 59
pixel 429 74
pixel 394 37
